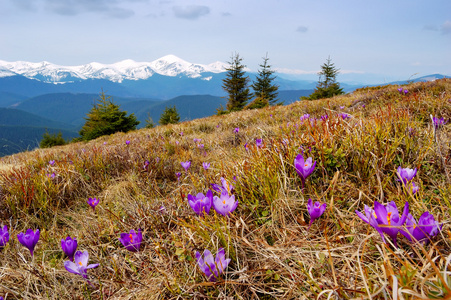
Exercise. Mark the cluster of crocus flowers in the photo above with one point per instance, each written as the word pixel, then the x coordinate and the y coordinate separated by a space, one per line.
pixel 438 122
pixel 212 267
pixel 315 210
pixel 385 219
pixel 4 236
pixel 344 116
pixel 304 167
pixel 132 240
pixel 80 266
pixel 406 176
pixel 201 204
pixel 93 202
pixel 402 91
pixel 69 246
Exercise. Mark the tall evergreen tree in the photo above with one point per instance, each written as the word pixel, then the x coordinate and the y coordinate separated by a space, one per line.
pixel 169 116
pixel 263 86
pixel 236 84
pixel 105 118
pixel 327 85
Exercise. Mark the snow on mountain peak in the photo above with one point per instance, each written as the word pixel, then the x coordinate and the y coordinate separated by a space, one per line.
pixel 169 65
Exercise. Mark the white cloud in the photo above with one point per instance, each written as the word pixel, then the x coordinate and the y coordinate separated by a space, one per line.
pixel 446 27
pixel 191 12
pixel 302 29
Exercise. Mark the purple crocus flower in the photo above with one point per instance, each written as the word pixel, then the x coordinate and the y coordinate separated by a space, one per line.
pixel 80 266
pixel 146 165
pixel 225 187
pixel 29 239
pixel 93 202
pixel 224 204
pixel 201 204
pixel 304 167
pixel 405 92
pixel 400 90
pixel 178 174
pixel 388 219
pixel 258 143
pixel 246 146
pixel 206 165
pixel 305 117
pixel 127 142
pixel 210 266
pixel 344 116
pixel 315 210
pixel 406 174
pixel 186 165
pixel 131 241
pixel 52 162
pixel 324 117
pixel 422 231
pixel 4 236
pixel 438 122
pixel 200 146
pixel 236 130
pixel 69 247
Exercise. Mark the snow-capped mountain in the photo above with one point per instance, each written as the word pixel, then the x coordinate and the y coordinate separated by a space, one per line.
pixel 168 65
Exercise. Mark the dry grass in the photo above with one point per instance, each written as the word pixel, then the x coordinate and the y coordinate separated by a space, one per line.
pixel 273 254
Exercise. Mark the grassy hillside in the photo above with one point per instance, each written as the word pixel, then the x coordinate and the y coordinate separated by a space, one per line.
pixel 273 252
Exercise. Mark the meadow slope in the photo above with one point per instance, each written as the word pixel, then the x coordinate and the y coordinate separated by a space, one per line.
pixel 274 254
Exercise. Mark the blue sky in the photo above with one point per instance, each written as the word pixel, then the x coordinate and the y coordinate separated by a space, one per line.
pixel 393 38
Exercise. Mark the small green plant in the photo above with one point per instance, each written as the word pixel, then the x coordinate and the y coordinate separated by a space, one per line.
pixel 50 140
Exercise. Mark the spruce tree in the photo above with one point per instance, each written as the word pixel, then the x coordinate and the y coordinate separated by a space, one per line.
pixel 327 85
pixel 169 116
pixel 236 84
pixel 263 86
pixel 105 118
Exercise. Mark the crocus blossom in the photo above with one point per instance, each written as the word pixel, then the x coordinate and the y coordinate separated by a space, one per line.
pixel 4 236
pixel 201 203
pixel 414 188
pixel 69 246
pixel 304 167
pixel 178 174
pixel 80 266
pixel 406 174
pixel 315 210
pixel 127 142
pixel 93 202
pixel 186 165
pixel 438 122
pixel 258 143
pixel 236 130
pixel 29 239
pixel 225 187
pixel 206 165
pixel 388 219
pixel 132 240
pixel 426 228
pixel 224 204
pixel 52 162
pixel 210 266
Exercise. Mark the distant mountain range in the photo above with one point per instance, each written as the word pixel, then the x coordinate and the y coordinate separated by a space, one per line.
pixel 43 95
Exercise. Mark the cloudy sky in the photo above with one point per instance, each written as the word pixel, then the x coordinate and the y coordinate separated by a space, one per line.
pixel 393 38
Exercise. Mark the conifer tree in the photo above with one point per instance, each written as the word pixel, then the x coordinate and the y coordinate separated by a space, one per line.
pixel 236 84
pixel 263 86
pixel 105 118
pixel 169 116
pixel 327 85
